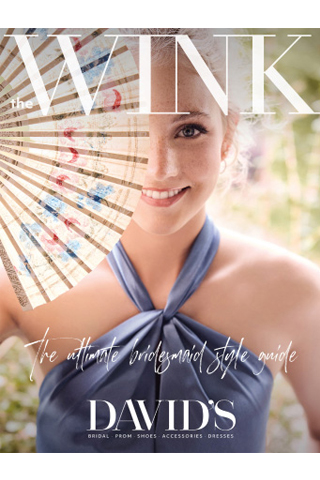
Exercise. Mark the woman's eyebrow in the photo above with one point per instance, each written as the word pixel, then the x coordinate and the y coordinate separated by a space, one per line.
pixel 192 114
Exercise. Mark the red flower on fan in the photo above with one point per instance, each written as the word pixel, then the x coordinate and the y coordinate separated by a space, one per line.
pixel 51 243
pixel 58 180
pixel 75 155
pixel 117 101
pixel 70 221
pixel 67 132
pixel 61 178
pixel 77 44
pixel 112 100
pixel 53 240
pixel 67 129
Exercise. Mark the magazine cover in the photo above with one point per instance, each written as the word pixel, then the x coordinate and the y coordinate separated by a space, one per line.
pixel 159 240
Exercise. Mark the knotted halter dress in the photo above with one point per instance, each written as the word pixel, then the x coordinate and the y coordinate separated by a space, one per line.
pixel 180 395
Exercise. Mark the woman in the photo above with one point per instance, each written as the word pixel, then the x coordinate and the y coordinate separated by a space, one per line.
pixel 181 313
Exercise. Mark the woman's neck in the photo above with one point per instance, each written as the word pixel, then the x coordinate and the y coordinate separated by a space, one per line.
pixel 160 257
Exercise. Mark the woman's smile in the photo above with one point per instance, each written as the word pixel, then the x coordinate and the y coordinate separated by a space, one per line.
pixel 162 197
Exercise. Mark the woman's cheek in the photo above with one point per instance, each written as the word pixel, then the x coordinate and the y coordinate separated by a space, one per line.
pixel 204 170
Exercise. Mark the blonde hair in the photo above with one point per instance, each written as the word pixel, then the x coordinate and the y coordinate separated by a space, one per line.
pixel 212 49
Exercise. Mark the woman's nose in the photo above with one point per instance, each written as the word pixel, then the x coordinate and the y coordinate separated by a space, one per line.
pixel 163 162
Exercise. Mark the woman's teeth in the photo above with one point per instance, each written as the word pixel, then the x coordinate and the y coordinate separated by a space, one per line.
pixel 160 195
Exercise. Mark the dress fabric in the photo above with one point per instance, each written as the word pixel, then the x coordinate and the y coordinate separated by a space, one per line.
pixel 180 395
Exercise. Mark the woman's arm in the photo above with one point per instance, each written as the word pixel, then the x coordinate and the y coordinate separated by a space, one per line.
pixel 304 372
pixel 9 308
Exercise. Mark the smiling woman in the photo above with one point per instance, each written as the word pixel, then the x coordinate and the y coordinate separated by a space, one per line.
pixel 185 154
pixel 185 150
pixel 175 287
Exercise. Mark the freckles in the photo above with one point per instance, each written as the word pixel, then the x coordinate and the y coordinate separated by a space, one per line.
pixel 205 162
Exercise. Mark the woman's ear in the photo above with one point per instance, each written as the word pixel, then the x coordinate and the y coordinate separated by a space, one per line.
pixel 232 120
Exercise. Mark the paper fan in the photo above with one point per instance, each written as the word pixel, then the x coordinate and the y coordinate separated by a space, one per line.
pixel 69 182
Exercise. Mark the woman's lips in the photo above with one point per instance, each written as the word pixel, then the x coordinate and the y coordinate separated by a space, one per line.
pixel 162 198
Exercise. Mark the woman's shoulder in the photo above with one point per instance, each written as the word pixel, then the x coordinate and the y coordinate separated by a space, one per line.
pixel 269 270
pixel 260 254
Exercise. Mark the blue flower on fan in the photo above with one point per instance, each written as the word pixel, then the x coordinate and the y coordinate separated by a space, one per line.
pixel 43 33
pixel 52 207
pixel 24 267
pixel 94 196
pixel 26 235
pixel 92 67
pixel 73 246
pixel 95 64
pixel 80 200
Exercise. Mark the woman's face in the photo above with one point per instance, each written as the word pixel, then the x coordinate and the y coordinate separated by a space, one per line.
pixel 185 152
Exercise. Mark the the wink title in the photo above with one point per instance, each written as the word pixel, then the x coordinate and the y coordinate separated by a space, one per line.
pixel 221 96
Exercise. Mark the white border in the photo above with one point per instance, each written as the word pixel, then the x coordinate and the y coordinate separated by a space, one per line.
pixel 163 13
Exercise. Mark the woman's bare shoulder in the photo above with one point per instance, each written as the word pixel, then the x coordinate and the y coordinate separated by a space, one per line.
pixel 262 254
pixel 282 275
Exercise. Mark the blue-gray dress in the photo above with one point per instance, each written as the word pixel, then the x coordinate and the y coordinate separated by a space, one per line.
pixel 167 388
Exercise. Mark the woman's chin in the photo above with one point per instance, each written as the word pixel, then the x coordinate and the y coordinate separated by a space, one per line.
pixel 163 223
pixel 161 227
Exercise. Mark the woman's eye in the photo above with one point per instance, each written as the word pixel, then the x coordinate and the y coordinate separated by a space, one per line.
pixel 190 131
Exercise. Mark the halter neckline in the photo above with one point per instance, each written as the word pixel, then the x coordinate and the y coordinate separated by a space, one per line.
pixel 198 261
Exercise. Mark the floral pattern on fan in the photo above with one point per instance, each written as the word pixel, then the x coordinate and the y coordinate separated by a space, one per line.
pixel 69 182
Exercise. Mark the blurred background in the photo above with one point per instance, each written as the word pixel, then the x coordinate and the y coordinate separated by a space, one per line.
pixel 279 203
